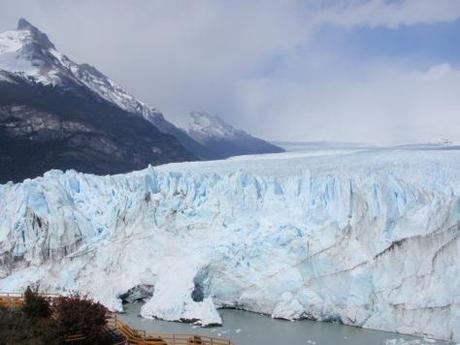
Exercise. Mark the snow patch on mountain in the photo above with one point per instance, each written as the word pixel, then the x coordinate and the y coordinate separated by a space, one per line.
pixel 12 41
pixel 14 58
pixel 369 238
pixel 222 140
pixel 116 94
pixel 203 126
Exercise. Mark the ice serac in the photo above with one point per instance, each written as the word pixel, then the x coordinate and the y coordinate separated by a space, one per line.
pixel 369 238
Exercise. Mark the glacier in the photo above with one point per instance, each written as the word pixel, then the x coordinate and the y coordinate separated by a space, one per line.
pixel 366 237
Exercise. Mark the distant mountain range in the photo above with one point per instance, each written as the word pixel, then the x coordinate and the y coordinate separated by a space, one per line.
pixel 299 146
pixel 57 114
pixel 321 145
pixel 222 140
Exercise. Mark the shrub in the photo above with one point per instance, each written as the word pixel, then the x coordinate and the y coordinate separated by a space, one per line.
pixel 18 329
pixel 35 305
pixel 77 314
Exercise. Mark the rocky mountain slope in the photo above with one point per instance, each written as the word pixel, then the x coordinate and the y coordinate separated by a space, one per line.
pixel 28 54
pixel 221 140
pixel 365 237
pixel 55 113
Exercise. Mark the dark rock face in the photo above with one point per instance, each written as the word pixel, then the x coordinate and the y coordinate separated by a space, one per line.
pixel 47 127
pixel 220 148
pixel 40 37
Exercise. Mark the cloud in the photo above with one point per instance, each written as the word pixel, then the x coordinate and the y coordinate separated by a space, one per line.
pixel 373 13
pixel 389 107
pixel 176 55
pixel 259 63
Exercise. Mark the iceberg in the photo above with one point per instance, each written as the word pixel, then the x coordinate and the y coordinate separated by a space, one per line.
pixel 365 237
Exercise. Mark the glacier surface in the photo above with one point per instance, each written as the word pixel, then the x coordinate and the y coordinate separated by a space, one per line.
pixel 365 237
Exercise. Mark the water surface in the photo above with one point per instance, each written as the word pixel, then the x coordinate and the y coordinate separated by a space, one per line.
pixel 246 328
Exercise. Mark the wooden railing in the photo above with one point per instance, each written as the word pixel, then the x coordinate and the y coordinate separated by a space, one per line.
pixel 131 335
pixel 11 300
pixel 141 337
pixel 16 299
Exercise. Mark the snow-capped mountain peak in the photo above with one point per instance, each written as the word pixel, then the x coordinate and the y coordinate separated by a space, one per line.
pixel 38 36
pixel 222 139
pixel 26 39
pixel 27 52
pixel 205 125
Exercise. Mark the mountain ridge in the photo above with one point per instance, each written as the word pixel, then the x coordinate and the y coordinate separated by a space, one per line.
pixel 224 140
pixel 51 117
pixel 29 59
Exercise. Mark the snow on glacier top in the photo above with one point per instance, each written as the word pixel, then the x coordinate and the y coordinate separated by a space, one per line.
pixel 285 164
pixel 423 164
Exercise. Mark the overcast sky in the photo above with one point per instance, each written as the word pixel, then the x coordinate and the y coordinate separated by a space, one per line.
pixel 378 71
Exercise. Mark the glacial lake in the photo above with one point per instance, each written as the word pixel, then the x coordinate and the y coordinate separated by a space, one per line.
pixel 246 328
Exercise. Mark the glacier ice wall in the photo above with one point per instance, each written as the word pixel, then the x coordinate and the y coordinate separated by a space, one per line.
pixel 368 238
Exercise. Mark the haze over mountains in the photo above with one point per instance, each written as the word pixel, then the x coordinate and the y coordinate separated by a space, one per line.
pixel 57 114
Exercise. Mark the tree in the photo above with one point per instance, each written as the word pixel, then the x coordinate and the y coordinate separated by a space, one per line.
pixel 35 305
pixel 77 314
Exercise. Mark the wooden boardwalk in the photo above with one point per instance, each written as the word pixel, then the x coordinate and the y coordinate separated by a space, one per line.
pixel 120 330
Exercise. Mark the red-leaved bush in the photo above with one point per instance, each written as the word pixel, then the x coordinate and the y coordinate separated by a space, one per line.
pixel 77 314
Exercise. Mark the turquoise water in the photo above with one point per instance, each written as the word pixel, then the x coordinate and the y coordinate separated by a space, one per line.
pixel 246 328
